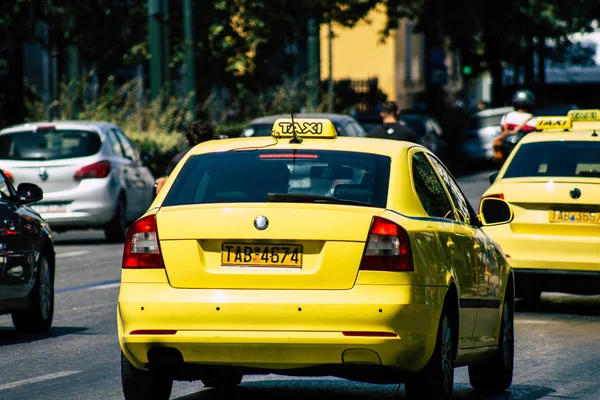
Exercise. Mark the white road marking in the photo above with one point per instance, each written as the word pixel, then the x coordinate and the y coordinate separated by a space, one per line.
pixel 108 286
pixel 534 321
pixel 43 378
pixel 72 254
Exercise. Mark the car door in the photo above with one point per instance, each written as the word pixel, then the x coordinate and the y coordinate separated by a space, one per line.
pixel 454 242
pixel 17 244
pixel 136 186
pixel 480 255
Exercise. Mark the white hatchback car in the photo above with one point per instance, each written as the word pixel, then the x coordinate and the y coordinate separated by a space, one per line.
pixel 91 174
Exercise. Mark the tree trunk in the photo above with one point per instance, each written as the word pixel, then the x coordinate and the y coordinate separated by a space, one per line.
pixel 13 107
pixel 494 63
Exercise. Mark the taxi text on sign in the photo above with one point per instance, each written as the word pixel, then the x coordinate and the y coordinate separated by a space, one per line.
pixel 552 123
pixel 584 115
pixel 307 128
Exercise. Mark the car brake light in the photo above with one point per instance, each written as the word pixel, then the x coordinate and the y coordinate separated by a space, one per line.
pixel 100 169
pixel 142 249
pixel 9 176
pixel 387 248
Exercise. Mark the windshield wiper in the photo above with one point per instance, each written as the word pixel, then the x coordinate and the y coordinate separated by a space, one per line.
pixel 309 198
pixel 590 174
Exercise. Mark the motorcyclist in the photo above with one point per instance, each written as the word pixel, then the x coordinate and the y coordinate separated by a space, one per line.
pixel 521 120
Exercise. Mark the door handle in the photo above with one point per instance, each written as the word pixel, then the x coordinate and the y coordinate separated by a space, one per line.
pixel 450 243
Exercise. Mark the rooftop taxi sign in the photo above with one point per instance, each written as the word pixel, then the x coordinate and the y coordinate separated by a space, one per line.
pixel 553 123
pixel 312 128
pixel 584 115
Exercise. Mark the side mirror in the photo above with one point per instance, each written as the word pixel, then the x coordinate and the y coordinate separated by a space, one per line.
pixel 495 212
pixel 492 177
pixel 28 193
pixel 146 157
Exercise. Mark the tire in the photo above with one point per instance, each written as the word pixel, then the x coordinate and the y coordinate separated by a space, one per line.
pixel 143 385
pixel 38 318
pixel 223 382
pixel 116 229
pixel 436 380
pixel 530 296
pixel 496 374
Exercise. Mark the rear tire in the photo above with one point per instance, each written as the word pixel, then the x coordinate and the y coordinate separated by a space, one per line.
pixel 223 382
pixel 436 380
pixel 38 317
pixel 143 385
pixel 116 229
pixel 496 374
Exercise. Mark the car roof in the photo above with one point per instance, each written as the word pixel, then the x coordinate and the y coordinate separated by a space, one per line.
pixel 270 119
pixel 81 124
pixel 385 147
pixel 553 136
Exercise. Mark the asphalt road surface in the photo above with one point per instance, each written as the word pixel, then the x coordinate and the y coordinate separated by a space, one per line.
pixel 557 349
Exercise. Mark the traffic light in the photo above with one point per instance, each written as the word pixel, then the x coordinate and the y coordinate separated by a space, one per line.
pixel 467 70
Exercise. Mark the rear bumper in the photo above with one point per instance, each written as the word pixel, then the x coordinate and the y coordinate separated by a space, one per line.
pixel 575 282
pixel 92 204
pixel 279 330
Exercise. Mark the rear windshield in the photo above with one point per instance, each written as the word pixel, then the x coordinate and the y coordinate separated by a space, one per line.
pixel 48 145
pixel 248 176
pixel 565 159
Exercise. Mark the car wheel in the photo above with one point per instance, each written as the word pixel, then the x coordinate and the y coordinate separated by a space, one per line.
pixel 436 380
pixel 225 381
pixel 116 229
pixel 495 375
pixel 38 318
pixel 143 385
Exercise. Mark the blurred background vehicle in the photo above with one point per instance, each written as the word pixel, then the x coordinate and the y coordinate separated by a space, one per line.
pixel 345 124
pixel 427 129
pixel 26 281
pixel 478 137
pixel 91 174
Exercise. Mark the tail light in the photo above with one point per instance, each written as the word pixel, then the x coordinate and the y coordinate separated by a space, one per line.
pixel 388 248
pixel 9 176
pixel 142 249
pixel 100 169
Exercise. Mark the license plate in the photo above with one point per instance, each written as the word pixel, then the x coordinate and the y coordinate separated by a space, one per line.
pixel 261 255
pixel 584 217
pixel 49 208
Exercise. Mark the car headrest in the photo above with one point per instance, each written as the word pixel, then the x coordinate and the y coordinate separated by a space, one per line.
pixel 331 173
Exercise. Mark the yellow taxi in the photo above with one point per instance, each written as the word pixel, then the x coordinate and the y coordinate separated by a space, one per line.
pixel 308 254
pixel 552 182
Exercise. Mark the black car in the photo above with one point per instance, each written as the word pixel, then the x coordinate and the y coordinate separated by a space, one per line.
pixel 426 128
pixel 27 258
pixel 344 124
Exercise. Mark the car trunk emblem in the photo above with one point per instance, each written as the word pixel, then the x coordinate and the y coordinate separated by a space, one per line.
pixel 261 223
pixel 43 174
pixel 575 193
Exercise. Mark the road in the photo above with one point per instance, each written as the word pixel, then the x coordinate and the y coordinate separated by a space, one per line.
pixel 556 357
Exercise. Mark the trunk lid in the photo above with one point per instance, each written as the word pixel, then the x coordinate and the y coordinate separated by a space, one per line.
pixel 545 206
pixel 215 246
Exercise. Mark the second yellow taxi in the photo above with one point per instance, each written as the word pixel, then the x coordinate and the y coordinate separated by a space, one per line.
pixel 552 182
pixel 306 254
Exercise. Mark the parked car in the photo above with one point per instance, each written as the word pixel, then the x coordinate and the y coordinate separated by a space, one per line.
pixel 478 138
pixel 26 259
pixel 345 124
pixel 427 129
pixel 91 174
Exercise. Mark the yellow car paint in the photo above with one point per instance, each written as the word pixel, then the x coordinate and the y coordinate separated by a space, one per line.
pixel 281 318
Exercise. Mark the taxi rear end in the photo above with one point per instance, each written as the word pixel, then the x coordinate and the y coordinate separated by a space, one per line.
pixel 277 258
pixel 552 182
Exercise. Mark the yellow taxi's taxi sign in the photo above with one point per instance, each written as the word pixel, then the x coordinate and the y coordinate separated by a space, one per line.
pixel 553 123
pixel 584 115
pixel 310 128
